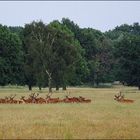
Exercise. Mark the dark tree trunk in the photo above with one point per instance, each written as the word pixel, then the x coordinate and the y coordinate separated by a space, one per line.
pixel 50 85
pixel 30 87
pixel 49 81
pixel 39 87
pixel 57 87
pixel 97 83
pixel 64 87
pixel 96 80
pixel 139 87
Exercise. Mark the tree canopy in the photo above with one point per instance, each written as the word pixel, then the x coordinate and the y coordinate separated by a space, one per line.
pixel 60 54
pixel 11 57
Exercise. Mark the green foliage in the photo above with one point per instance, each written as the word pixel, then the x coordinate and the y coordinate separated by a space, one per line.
pixel 53 48
pixel 62 53
pixel 11 58
pixel 128 55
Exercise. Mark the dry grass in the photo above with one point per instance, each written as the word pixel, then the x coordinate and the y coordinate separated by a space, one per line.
pixel 103 118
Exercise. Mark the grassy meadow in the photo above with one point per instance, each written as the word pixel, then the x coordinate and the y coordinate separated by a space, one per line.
pixel 103 118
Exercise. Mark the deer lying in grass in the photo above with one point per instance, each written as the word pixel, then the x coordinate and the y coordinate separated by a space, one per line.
pixel 33 97
pixel 11 100
pixel 82 99
pixel 67 100
pixel 120 98
pixel 27 101
pixel 2 101
pixel 52 100
pixel 41 100
pixel 76 100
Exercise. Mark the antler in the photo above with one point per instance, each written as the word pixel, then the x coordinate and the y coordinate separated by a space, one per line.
pixel 22 96
pixel 36 95
pixel 32 95
pixel 12 96
pixel 6 97
pixel 47 96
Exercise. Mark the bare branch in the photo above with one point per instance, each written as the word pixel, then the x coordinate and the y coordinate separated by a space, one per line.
pixel 53 39
pixel 49 74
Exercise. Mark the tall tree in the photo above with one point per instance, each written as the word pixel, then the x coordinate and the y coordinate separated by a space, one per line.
pixel 81 69
pixel 11 58
pixel 53 48
pixel 128 55
pixel 104 62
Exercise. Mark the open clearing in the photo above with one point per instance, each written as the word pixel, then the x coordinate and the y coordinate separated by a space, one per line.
pixel 102 118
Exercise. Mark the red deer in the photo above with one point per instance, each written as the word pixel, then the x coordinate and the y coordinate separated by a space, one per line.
pixel 27 101
pixel 71 100
pixel 40 100
pixel 87 101
pixel 6 99
pixel 52 100
pixel 11 100
pixel 120 98
pixel 126 101
pixel 82 99
pixel 37 100
pixel 2 101
pixel 33 97
pixel 20 102
pixel 75 99
pixel 68 100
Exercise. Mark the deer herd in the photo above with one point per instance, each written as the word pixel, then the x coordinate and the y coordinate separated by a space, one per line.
pixel 33 98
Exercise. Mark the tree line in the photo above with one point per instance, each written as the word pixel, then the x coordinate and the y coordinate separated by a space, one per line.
pixel 59 54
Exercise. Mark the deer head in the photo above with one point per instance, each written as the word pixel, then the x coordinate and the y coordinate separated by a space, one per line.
pixel 119 96
pixel 66 97
pixel 32 95
pixel 6 98
pixel 12 97
pixel 22 97
pixel 81 97
pixel 36 95
pixel 48 97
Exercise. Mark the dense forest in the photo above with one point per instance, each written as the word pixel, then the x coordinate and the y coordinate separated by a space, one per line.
pixel 61 54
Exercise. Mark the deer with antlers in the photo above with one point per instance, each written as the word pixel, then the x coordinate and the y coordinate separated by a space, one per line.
pixel 33 97
pixel 39 100
pixel 11 99
pixel 2 101
pixel 27 101
pixel 120 98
